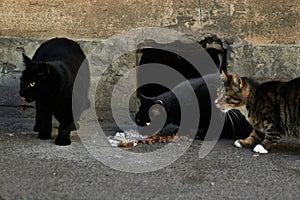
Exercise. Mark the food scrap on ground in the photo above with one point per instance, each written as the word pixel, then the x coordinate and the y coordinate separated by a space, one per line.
pixel 132 138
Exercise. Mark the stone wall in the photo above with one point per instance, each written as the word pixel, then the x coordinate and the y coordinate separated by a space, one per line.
pixel 256 21
pixel 262 36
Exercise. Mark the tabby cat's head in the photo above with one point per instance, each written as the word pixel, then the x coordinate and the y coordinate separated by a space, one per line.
pixel 33 78
pixel 234 93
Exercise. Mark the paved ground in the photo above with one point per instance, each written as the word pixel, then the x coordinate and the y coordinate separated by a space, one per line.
pixel 36 169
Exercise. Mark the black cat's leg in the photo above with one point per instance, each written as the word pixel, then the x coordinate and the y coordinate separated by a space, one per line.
pixel 45 116
pixel 66 125
pixel 63 136
pixel 74 126
pixel 169 129
pixel 254 138
pixel 271 139
pixel 37 125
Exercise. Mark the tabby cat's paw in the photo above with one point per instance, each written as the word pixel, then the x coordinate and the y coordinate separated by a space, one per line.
pixel 260 149
pixel 238 144
pixel 62 140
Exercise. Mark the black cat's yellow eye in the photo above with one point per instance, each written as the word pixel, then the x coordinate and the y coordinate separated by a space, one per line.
pixel 32 84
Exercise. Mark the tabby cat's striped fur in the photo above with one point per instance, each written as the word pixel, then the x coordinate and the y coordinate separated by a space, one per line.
pixel 272 108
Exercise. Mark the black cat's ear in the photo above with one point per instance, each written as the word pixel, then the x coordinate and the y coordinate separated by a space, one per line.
pixel 140 96
pixel 26 60
pixel 237 80
pixel 143 98
pixel 160 102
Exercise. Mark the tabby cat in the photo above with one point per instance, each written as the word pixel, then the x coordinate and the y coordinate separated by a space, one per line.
pixel 48 80
pixel 272 108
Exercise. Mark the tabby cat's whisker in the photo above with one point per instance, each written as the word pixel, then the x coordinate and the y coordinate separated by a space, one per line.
pixel 231 121
pixel 234 115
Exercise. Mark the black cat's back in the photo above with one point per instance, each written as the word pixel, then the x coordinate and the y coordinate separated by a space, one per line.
pixel 73 58
pixel 58 48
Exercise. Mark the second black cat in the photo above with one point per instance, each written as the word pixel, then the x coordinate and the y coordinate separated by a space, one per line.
pixel 236 125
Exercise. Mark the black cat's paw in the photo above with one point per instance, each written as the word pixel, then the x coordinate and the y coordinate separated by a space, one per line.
pixel 44 136
pixel 62 140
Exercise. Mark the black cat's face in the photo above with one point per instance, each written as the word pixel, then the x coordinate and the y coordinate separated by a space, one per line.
pixel 147 110
pixel 32 79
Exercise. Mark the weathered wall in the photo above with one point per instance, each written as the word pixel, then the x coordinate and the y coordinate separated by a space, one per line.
pixel 258 21
pixel 263 36
pixel 109 69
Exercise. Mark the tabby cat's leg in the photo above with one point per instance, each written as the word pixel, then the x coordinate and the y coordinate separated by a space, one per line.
pixel 254 138
pixel 271 139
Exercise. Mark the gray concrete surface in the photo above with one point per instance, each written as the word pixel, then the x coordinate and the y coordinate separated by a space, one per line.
pixel 38 169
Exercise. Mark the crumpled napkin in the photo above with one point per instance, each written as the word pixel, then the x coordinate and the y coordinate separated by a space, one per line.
pixel 130 137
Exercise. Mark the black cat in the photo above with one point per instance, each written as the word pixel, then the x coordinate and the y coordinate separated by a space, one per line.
pixel 48 80
pixel 236 125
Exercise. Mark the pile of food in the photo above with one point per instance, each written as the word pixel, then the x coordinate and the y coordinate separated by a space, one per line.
pixel 131 139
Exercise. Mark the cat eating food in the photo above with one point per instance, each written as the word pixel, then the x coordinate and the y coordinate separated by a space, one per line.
pixel 272 108
pixel 234 120
pixel 48 80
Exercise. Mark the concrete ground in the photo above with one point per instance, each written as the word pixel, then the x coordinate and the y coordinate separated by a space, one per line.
pixel 38 169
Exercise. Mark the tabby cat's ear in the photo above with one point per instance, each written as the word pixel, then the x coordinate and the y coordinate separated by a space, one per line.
pixel 224 75
pixel 27 61
pixel 237 80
